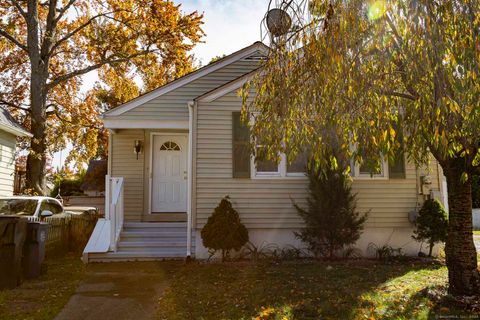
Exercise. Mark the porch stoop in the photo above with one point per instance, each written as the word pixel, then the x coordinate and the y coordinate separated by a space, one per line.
pixel 146 241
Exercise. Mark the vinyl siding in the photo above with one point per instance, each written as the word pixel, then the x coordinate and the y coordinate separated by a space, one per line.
pixel 124 164
pixel 170 106
pixel 173 105
pixel 7 162
pixel 267 203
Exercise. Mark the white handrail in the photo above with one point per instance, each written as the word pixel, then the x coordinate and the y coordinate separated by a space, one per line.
pixel 107 231
pixel 115 209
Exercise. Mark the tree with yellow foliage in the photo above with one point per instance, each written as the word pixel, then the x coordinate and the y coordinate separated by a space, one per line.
pixel 384 78
pixel 47 46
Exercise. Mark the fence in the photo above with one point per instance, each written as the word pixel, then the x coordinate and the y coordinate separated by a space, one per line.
pixel 69 234
pixel 86 201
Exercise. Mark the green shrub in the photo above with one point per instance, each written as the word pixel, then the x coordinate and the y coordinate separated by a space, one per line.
pixel 332 221
pixel 224 230
pixel 67 187
pixel 431 224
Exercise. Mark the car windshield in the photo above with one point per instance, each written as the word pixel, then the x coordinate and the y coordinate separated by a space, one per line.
pixel 23 207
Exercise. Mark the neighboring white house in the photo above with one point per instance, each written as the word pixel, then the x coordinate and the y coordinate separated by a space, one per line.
pixel 177 150
pixel 9 131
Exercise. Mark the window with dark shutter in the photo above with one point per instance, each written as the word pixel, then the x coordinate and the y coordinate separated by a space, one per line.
pixel 397 167
pixel 240 147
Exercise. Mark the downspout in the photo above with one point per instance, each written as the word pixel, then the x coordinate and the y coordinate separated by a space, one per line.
pixel 190 178
pixel 110 151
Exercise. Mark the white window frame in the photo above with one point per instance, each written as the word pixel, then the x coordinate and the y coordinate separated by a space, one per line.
pixel 281 172
pixel 264 174
pixel 383 175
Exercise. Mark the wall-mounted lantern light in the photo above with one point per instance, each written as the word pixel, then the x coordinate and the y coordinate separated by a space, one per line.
pixel 137 148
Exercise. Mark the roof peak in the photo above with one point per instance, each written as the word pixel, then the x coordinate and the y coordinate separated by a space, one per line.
pixel 237 55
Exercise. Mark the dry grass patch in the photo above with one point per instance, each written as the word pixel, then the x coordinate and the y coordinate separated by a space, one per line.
pixel 43 298
pixel 359 290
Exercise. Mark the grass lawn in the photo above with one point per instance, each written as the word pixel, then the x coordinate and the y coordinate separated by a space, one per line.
pixel 44 297
pixel 359 290
pixel 476 232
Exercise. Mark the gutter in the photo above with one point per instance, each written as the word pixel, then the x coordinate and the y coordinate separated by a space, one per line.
pixel 15 131
pixel 191 105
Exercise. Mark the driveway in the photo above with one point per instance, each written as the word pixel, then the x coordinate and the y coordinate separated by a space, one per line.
pixel 122 290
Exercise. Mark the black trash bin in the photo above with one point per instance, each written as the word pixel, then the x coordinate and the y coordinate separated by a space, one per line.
pixel 12 237
pixel 34 249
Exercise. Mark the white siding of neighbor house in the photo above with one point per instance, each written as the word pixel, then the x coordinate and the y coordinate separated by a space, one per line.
pixel 125 164
pixel 267 203
pixel 173 105
pixel 7 162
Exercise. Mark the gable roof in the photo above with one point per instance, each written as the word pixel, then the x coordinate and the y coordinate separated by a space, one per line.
pixel 227 87
pixel 8 124
pixel 243 53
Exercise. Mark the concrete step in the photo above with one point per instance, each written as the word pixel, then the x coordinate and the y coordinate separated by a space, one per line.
pixel 156 235
pixel 136 256
pixel 156 230
pixel 181 251
pixel 155 225
pixel 152 244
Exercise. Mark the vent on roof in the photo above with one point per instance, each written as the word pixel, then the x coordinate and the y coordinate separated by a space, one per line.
pixel 256 56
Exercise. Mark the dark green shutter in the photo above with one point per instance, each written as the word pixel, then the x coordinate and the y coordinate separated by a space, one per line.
pixel 240 147
pixel 397 168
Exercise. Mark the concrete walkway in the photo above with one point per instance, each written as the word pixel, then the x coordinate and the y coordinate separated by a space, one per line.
pixel 122 290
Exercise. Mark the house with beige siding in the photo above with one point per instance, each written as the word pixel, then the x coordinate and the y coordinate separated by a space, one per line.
pixel 176 151
pixel 9 131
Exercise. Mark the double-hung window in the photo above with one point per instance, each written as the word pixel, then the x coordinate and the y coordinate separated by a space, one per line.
pixel 370 169
pixel 278 169
pixel 246 165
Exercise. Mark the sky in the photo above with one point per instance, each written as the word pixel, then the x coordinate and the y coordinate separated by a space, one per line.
pixel 230 25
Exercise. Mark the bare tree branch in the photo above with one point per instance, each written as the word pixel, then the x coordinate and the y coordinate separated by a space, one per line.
pixel 398 38
pixel 49 30
pixel 80 28
pixel 63 10
pixel 19 8
pixel 13 105
pixel 83 71
pixel 399 95
pixel 12 39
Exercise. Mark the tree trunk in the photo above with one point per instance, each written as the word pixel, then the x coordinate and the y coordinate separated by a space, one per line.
pixel 37 157
pixel 461 256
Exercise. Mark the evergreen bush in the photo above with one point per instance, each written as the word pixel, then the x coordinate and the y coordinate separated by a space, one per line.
pixel 331 219
pixel 224 231
pixel 431 224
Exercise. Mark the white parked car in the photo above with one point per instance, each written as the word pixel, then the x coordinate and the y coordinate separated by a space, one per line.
pixel 35 208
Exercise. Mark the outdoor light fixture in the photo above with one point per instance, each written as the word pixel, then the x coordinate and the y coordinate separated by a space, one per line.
pixel 137 148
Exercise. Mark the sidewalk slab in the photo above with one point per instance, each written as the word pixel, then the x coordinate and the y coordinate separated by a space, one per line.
pixel 119 290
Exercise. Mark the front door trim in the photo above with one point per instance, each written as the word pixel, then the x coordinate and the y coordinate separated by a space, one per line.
pixel 150 173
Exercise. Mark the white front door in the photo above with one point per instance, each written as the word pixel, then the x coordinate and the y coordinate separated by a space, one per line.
pixel 169 176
